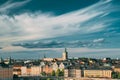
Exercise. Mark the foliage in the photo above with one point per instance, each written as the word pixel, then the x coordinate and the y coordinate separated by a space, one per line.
pixel 53 73
pixel 15 76
pixel 49 79
pixel 59 72
pixel 43 74
pixel 116 75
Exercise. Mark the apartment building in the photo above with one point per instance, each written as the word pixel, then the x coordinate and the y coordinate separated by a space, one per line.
pixel 98 73
pixel 6 73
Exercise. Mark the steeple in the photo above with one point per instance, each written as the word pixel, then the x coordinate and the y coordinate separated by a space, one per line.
pixel 44 55
pixel 65 50
pixel 10 60
pixel 65 54
pixel 1 60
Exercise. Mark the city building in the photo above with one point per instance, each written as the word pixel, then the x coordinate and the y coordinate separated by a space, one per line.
pixel 116 69
pixel 35 70
pixel 47 69
pixel 63 65
pixel 55 66
pixel 6 73
pixel 72 73
pixel 17 70
pixel 97 73
pixel 64 57
pixel 23 70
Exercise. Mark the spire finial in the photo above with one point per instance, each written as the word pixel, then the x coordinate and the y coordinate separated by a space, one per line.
pixel 44 55
pixel 65 49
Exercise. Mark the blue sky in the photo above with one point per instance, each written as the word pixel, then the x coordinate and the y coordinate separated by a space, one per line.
pixel 85 27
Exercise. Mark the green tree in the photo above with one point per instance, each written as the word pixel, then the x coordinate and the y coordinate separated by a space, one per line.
pixel 57 73
pixel 114 75
pixel 118 75
pixel 15 76
pixel 49 79
pixel 53 73
pixel 62 72
pixel 43 74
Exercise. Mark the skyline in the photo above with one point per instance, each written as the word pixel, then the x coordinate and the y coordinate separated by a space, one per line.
pixel 29 26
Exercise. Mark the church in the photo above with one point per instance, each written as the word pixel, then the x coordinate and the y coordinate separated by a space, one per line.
pixel 64 57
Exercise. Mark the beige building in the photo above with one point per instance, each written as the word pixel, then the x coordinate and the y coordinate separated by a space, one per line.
pixel 17 69
pixel 72 73
pixel 61 66
pixel 116 69
pixel 64 57
pixel 31 71
pixel 35 70
pixel 55 66
pixel 23 70
pixel 6 73
pixel 98 73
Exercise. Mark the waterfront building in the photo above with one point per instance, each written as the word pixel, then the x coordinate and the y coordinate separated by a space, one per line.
pixel 64 57
pixel 98 73
pixel 6 73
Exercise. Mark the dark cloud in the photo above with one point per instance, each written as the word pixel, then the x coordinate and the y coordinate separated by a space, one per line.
pixel 61 44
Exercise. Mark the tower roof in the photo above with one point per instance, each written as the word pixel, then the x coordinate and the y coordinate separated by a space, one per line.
pixel 65 50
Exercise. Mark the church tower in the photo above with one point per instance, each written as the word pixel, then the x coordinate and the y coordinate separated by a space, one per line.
pixel 65 55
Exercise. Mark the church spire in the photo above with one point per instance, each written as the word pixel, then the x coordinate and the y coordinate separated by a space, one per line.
pixel 65 54
pixel 44 55
pixel 65 49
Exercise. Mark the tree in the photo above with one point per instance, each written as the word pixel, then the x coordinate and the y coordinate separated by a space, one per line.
pixel 114 75
pixel 53 73
pixel 15 76
pixel 118 75
pixel 62 72
pixel 48 79
pixel 43 74
pixel 57 72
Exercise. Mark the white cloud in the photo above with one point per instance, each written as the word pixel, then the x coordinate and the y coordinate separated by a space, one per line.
pixel 11 5
pixel 29 26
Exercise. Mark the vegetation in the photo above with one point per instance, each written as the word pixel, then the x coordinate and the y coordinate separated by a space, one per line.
pixel 116 75
pixel 53 73
pixel 43 74
pixel 59 72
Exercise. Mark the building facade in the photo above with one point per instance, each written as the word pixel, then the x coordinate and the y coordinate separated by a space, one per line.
pixel 64 57
pixel 98 73
pixel 72 73
pixel 6 73
pixel 35 70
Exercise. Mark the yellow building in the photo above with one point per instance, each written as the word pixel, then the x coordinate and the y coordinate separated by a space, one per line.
pixel 116 69
pixel 98 73
pixel 6 73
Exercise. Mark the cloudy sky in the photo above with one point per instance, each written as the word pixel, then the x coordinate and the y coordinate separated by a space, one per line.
pixel 88 28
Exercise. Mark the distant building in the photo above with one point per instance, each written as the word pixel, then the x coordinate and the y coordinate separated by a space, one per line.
pixel 17 70
pixel 35 70
pixel 72 73
pixel 64 57
pixel 63 65
pixel 55 66
pixel 23 70
pixel 6 73
pixel 116 69
pixel 47 69
pixel 97 73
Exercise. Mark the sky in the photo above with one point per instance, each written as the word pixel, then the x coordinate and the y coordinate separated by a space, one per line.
pixel 31 28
